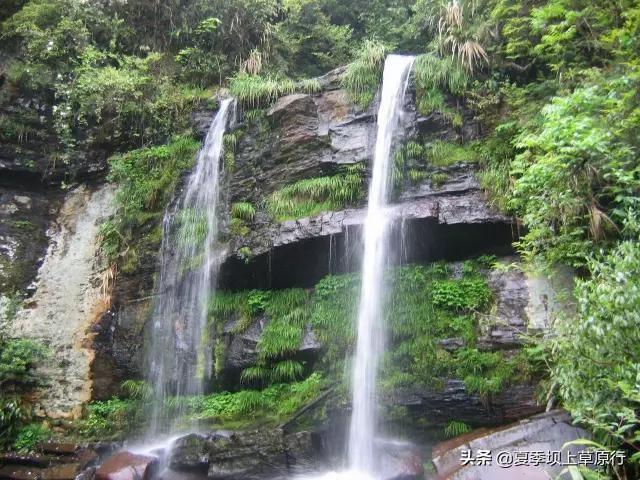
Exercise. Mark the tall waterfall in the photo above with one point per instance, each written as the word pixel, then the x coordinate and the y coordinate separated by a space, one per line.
pixel 376 228
pixel 177 360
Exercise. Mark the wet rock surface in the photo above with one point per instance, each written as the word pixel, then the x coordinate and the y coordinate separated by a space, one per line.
pixel 453 401
pixel 68 287
pixel 128 466
pixel 547 432
pixel 307 135
pixel 51 461
pixel 25 217
pixel 459 201
pixel 399 460
pixel 263 454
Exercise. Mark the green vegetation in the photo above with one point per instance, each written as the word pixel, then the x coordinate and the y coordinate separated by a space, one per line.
pixel 30 436
pixel 243 211
pixel 442 154
pixel 362 77
pixel 434 76
pixel 426 306
pixel 146 179
pixel 552 84
pixel 256 91
pixel 286 313
pixel 455 428
pixel 18 359
pixel 241 214
pixel 112 419
pixel 311 196
pixel 414 162
pixel 117 418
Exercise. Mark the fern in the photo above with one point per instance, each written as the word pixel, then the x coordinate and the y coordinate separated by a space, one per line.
pixel 286 371
pixel 256 91
pixel 455 428
pixel 243 211
pixel 362 76
pixel 138 389
pixel 314 195
pixel 434 75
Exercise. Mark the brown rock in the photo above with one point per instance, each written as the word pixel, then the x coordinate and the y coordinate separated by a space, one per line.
pixel 20 472
pixel 59 448
pixel 128 466
pixel 66 471
pixel 34 460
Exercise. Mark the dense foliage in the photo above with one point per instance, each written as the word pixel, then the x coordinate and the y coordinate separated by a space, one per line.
pixel 426 306
pixel 18 359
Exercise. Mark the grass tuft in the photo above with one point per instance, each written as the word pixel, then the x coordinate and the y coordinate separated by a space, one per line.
pixel 257 91
pixel 362 76
pixel 314 195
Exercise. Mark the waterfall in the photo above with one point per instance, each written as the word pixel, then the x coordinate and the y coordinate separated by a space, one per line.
pixel 376 228
pixel 178 361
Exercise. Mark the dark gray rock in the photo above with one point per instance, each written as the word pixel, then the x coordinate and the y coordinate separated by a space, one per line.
pixel 190 452
pixel 452 344
pixel 399 460
pixel 454 402
pixel 459 201
pixel 25 217
pixel 249 455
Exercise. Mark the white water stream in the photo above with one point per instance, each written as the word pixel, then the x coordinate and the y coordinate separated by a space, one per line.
pixel 362 456
pixel 177 358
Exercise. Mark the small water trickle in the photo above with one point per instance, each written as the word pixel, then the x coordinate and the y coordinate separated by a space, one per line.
pixel 177 360
pixel 330 266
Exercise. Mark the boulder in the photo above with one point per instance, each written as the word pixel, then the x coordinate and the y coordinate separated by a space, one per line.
pixel 548 432
pixel 247 455
pixel 56 461
pixel 128 466
pixel 399 460
pixel 190 453
pixel 67 471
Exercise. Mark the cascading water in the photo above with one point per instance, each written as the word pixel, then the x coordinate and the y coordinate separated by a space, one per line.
pixel 361 452
pixel 177 362
pixel 376 227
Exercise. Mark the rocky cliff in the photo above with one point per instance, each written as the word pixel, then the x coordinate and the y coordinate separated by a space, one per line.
pixel 440 215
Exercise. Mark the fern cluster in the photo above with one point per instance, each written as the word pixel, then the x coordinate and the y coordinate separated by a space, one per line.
pixel 314 195
pixel 362 76
pixel 434 76
pixel 256 91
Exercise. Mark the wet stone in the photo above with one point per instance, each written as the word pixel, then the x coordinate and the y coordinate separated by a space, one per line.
pixel 128 466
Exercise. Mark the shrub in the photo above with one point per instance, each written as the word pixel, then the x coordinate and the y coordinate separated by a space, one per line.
pixel 442 154
pixel 111 419
pixel 146 179
pixel 433 76
pixel 30 436
pixel 456 428
pixel 17 361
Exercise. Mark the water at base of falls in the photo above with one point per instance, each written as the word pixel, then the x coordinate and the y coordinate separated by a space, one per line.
pixel 344 475
pixel 177 360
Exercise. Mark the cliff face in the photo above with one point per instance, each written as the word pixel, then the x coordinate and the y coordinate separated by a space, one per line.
pixel 97 341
